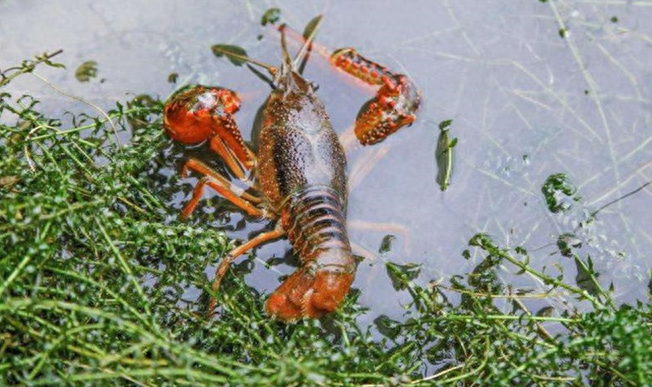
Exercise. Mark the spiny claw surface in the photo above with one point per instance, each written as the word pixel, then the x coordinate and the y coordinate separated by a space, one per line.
pixel 393 107
pixel 350 61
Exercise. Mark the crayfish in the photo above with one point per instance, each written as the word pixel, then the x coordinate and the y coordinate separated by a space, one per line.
pixel 299 170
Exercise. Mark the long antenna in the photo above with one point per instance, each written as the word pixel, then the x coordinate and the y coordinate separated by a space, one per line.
pixel 271 69
pixel 311 28
pixel 284 48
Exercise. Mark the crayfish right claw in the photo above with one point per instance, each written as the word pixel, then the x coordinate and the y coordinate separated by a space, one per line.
pixel 393 107
pixel 395 104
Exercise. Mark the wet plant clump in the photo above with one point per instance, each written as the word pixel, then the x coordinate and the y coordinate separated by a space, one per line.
pixel 557 190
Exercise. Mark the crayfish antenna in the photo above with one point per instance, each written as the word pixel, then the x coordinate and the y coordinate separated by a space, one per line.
pixel 287 62
pixel 273 70
pixel 304 52
pixel 262 76
pixel 300 59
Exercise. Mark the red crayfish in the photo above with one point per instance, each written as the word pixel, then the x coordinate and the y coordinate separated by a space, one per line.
pixel 299 169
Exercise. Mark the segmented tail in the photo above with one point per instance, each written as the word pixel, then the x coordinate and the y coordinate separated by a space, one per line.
pixel 315 221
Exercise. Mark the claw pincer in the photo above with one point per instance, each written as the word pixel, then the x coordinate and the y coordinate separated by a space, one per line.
pixel 396 101
pixel 198 113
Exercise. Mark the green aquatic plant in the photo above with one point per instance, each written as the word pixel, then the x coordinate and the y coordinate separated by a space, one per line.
pixel 557 189
pixel 86 71
pixel 444 155
pixel 97 276
pixel 271 16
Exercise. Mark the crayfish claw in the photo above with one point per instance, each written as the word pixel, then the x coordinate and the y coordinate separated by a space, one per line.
pixel 393 107
pixel 190 114
pixel 198 113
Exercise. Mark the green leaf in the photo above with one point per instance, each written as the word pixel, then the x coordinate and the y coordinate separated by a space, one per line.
pixel 445 124
pixel 86 71
pixel 546 311
pixel 271 16
pixel 311 26
pixel 566 242
pixel 586 277
pixel 452 143
pixel 387 327
pixel 46 58
pixel 444 155
pixel 401 275
pixel 233 53
pixel 386 244
pixel 483 241
pixel 556 189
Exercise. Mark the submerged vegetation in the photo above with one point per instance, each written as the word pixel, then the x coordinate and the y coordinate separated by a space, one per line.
pixel 95 270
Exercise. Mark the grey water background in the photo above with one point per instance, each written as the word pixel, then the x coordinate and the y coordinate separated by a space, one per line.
pixel 533 88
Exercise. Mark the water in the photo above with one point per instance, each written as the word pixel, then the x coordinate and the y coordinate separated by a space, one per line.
pixel 533 88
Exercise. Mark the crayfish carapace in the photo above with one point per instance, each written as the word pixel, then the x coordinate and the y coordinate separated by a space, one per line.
pixel 299 169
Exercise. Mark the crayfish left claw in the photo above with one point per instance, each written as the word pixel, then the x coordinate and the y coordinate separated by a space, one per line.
pixel 198 113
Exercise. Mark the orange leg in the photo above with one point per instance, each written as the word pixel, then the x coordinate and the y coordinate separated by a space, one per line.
pixel 205 170
pixel 219 146
pixel 243 200
pixel 259 239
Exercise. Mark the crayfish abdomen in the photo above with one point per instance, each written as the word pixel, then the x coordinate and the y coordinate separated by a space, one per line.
pixel 314 219
pixel 301 171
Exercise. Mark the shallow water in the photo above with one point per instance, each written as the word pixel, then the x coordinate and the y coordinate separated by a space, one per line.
pixel 533 88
